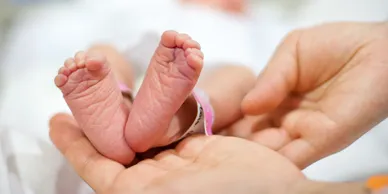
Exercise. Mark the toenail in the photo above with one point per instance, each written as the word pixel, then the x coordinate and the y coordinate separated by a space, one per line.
pixel 94 57
pixel 64 71
pixel 72 66
pixel 195 57
pixel 79 54
pixel 61 70
pixel 81 64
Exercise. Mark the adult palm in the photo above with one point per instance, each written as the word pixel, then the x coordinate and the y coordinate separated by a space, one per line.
pixel 323 89
pixel 197 165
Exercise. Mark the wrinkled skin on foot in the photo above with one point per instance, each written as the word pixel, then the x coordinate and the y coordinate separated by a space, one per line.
pixel 173 72
pixel 323 89
pixel 93 95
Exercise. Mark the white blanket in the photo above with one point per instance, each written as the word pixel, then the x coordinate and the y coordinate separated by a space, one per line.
pixel 42 39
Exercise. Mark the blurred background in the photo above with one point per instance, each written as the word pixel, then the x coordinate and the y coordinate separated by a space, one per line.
pixel 36 36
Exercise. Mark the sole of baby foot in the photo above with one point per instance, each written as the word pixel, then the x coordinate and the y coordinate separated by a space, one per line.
pixel 92 94
pixel 171 76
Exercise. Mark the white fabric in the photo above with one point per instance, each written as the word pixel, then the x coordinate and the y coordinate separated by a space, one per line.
pixel 39 43
pixel 42 39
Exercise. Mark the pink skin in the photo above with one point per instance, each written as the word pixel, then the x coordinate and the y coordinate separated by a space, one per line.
pixel 172 75
pixel 94 97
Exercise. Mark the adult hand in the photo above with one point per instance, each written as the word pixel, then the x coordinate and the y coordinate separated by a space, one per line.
pixel 197 165
pixel 323 89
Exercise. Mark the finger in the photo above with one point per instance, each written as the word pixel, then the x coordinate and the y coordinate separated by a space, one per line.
pixel 300 152
pixel 242 128
pixel 190 148
pixel 98 171
pixel 260 129
pixel 226 94
pixel 170 160
pixel 276 81
pixel 272 138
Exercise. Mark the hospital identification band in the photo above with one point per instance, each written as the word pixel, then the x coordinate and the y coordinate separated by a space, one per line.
pixel 204 120
pixel 127 92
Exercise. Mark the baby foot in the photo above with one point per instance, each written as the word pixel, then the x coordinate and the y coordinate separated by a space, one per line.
pixel 94 97
pixel 92 93
pixel 170 79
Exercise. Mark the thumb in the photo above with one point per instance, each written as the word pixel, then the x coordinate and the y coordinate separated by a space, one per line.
pixel 277 80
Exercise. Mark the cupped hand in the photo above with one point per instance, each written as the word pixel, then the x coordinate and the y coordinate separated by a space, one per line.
pixel 324 88
pixel 197 165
